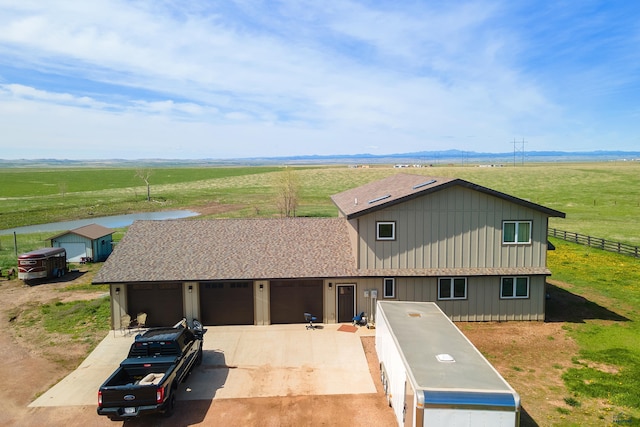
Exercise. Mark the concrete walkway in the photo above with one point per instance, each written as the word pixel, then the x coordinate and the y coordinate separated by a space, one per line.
pixel 241 362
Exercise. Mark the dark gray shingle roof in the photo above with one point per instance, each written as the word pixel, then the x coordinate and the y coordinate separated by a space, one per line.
pixel 227 249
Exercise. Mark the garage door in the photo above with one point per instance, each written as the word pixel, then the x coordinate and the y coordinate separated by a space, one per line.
pixel 226 303
pixel 161 301
pixel 75 251
pixel 291 299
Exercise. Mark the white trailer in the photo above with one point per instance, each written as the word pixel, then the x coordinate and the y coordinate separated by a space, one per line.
pixel 433 375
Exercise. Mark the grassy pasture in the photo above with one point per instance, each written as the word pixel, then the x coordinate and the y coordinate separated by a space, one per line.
pixel 32 196
pixel 605 375
pixel 602 200
pixel 30 182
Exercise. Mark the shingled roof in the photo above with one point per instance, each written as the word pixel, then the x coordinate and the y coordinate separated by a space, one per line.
pixel 402 187
pixel 229 249
pixel 91 231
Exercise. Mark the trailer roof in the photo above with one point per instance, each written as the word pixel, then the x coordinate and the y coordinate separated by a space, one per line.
pixel 424 333
pixel 38 253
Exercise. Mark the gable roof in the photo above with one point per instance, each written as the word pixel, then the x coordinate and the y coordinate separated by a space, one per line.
pixel 230 249
pixel 91 231
pixel 402 187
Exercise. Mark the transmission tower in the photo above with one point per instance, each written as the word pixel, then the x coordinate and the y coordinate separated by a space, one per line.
pixel 518 150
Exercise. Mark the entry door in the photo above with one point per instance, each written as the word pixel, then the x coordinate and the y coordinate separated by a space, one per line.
pixel 346 303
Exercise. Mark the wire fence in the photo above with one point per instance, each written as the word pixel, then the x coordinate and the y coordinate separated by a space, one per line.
pixel 595 242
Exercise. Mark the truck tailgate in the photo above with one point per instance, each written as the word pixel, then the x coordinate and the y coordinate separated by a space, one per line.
pixel 129 396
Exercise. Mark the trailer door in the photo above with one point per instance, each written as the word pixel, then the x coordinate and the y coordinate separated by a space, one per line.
pixel 409 405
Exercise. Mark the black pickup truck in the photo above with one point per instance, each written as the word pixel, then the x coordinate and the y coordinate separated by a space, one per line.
pixel 147 380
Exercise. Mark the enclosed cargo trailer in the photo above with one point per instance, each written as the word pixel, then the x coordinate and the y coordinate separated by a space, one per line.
pixel 433 375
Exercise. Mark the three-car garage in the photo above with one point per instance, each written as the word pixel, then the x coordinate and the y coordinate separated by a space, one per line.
pixel 221 303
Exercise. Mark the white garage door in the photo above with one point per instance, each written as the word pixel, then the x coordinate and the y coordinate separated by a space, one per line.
pixel 75 251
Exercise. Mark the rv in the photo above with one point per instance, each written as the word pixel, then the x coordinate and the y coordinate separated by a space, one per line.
pixel 42 264
pixel 433 375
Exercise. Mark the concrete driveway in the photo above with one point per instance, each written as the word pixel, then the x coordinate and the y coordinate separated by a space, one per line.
pixel 241 362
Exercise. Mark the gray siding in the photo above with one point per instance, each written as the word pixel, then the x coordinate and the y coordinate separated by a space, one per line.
pixel 456 228
pixel 483 303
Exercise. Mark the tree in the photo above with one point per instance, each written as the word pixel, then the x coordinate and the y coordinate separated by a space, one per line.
pixel 288 187
pixel 144 175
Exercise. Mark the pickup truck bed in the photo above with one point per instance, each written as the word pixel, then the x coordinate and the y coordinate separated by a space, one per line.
pixel 147 380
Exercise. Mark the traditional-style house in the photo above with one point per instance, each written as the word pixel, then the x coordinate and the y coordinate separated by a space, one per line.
pixel 478 253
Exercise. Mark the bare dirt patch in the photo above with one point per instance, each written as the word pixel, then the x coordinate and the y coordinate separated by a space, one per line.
pixel 215 209
pixel 33 361
pixel 531 356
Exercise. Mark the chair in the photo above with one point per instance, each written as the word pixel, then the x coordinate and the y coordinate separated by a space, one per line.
pixel 141 321
pixel 308 317
pixel 360 320
pixel 125 323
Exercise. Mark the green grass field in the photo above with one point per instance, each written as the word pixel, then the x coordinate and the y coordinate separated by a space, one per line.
pixel 600 199
pixel 607 368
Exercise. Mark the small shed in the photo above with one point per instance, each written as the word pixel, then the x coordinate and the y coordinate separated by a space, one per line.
pixel 91 242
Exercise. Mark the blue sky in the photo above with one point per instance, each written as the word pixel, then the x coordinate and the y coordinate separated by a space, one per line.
pixel 227 79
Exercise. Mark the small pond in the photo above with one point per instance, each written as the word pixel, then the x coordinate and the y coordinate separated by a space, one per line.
pixel 114 221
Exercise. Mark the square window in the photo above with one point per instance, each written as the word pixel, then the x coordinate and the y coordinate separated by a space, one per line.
pixel 452 288
pixel 389 288
pixel 386 230
pixel 516 232
pixel 514 287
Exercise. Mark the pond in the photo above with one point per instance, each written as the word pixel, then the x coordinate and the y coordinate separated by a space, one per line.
pixel 114 221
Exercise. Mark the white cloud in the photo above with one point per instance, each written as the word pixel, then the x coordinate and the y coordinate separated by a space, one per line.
pixel 331 77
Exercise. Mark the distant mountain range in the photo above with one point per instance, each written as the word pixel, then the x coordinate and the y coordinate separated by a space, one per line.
pixel 458 157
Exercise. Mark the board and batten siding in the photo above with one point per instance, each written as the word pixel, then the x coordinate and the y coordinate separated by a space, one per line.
pixel 483 302
pixel 455 228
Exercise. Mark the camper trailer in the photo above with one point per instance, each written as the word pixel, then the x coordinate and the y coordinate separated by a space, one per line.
pixel 433 375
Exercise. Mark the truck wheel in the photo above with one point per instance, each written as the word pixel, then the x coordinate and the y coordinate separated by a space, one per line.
pixel 168 411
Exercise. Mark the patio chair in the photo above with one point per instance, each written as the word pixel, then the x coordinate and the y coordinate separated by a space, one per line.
pixel 125 323
pixel 360 320
pixel 141 321
pixel 308 317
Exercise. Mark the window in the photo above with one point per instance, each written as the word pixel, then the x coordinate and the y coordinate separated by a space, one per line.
pixel 389 288
pixel 386 230
pixel 452 288
pixel 516 232
pixel 514 287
